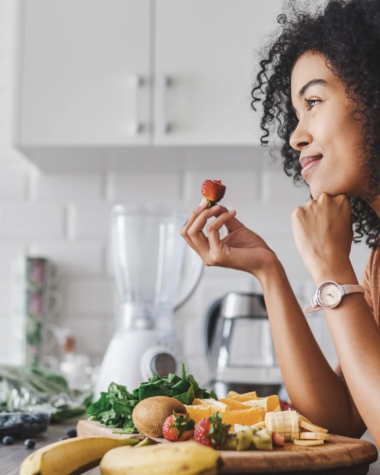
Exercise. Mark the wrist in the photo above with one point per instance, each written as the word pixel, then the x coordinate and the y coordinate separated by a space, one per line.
pixel 267 273
pixel 342 273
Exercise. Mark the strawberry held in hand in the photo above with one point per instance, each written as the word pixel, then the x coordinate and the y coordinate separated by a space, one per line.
pixel 178 427
pixel 213 191
pixel 211 431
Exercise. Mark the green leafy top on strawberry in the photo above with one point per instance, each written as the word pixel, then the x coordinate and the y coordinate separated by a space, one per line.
pixel 219 430
pixel 182 423
pixel 211 431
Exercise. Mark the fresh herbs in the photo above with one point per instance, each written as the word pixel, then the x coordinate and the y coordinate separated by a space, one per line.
pixel 114 408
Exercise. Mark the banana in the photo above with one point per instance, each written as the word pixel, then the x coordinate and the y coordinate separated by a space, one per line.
pixel 71 456
pixel 295 426
pixel 187 458
pixel 145 443
pixel 285 423
pixel 308 443
pixel 314 436
pixel 306 424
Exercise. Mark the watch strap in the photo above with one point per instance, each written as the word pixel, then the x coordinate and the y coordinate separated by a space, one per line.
pixel 310 309
pixel 353 289
pixel 348 289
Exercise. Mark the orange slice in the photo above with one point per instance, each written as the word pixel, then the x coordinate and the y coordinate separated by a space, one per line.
pixel 197 413
pixel 234 405
pixel 220 405
pixel 273 403
pixel 242 397
pixel 248 417
pixel 270 404
pixel 197 402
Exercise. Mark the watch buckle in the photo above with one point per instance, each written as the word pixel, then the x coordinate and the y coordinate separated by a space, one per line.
pixel 314 302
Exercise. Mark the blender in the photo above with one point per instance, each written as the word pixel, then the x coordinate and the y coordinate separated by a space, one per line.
pixel 148 256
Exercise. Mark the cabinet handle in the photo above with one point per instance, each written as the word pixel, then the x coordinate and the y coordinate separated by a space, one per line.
pixel 136 82
pixel 166 126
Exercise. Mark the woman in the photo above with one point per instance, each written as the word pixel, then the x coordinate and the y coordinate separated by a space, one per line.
pixel 321 86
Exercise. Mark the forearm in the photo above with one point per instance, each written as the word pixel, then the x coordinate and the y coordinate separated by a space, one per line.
pixel 313 387
pixel 356 337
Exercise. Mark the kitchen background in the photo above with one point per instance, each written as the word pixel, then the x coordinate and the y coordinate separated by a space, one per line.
pixel 64 216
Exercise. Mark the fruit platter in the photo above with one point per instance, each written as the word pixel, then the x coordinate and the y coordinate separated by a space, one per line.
pixel 169 425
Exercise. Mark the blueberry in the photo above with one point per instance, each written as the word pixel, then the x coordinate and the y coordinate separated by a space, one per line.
pixel 30 443
pixel 8 440
pixel 71 433
pixel 40 417
pixel 63 438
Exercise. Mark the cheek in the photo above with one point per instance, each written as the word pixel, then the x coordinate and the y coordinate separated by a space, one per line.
pixel 338 138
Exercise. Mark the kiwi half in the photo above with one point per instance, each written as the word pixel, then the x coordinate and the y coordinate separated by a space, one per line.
pixel 150 414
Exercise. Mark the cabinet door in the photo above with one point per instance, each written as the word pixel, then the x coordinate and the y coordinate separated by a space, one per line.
pixel 204 69
pixel 80 61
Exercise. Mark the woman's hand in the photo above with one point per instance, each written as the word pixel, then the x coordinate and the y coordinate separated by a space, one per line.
pixel 323 235
pixel 241 249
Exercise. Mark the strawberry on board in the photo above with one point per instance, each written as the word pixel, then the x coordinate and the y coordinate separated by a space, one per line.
pixel 211 431
pixel 213 191
pixel 278 439
pixel 178 427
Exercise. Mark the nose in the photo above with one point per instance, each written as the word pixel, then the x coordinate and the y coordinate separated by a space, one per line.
pixel 301 137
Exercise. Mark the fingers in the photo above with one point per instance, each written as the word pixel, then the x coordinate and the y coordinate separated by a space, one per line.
pixel 195 232
pixel 232 224
pixel 195 213
pixel 214 228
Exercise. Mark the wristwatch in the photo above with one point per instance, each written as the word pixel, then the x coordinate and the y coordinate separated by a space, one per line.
pixel 329 295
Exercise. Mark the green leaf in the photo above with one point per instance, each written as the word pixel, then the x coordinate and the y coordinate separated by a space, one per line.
pixel 106 416
pixel 129 424
pixel 158 388
pixel 186 398
pixel 173 379
pixel 116 391
pixel 213 395
pixel 101 405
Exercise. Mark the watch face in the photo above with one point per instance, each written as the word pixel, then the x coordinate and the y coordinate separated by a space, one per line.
pixel 329 294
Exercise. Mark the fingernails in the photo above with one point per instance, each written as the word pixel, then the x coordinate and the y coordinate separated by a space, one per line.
pixel 203 203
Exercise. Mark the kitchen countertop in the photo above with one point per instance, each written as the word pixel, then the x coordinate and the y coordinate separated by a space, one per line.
pixel 12 456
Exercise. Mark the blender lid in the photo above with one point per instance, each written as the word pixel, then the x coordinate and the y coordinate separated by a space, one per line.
pixel 243 305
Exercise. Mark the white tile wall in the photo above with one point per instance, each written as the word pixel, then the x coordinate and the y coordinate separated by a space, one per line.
pixel 65 217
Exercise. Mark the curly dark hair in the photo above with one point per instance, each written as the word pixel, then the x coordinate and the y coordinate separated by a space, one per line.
pixel 347 34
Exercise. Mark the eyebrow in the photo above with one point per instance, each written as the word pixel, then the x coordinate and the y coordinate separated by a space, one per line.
pixel 312 82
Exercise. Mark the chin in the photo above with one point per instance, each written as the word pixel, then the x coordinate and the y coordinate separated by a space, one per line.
pixel 316 191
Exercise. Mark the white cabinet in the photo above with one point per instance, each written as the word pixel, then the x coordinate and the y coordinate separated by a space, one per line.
pixel 80 64
pixel 98 79
pixel 204 69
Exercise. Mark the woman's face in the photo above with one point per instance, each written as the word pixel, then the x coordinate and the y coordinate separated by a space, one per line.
pixel 327 135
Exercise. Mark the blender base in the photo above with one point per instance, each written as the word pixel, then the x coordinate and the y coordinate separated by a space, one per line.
pixel 133 357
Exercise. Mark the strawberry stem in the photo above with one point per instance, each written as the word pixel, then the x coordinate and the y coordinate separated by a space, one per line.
pixel 218 431
pixel 182 423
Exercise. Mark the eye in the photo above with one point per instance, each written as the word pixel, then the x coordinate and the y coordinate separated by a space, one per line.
pixel 310 103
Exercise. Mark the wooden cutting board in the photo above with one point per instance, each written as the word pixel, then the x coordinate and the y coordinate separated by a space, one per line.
pixel 340 456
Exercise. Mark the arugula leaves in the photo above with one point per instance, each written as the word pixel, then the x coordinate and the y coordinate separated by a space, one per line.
pixel 114 408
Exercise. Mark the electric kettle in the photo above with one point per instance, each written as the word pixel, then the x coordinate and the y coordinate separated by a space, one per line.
pixel 239 346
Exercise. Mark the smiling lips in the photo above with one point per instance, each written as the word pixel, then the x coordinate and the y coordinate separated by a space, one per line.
pixel 307 163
